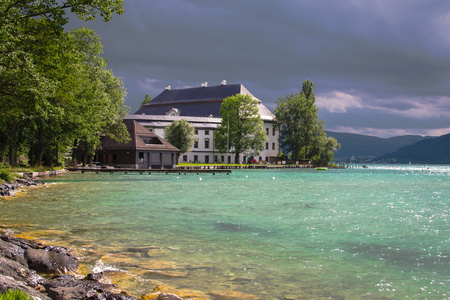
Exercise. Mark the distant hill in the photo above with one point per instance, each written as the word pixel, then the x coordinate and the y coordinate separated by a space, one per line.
pixel 364 148
pixel 428 151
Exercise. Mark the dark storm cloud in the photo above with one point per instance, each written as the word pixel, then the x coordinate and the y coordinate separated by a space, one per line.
pixel 385 59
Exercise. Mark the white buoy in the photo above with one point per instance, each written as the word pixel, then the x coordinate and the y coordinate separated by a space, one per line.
pixel 273 178
pixel 246 176
pixel 200 179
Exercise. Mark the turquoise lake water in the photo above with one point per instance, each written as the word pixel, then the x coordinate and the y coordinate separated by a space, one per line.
pixel 357 233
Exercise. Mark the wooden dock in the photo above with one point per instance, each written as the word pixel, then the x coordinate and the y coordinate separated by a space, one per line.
pixel 149 171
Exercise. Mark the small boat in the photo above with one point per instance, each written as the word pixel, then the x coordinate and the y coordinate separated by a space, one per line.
pixel 321 168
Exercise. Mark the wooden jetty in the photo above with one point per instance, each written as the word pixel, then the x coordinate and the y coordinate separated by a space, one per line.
pixel 149 171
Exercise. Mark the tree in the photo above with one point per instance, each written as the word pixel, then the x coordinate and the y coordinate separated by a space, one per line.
pixel 301 133
pixel 323 148
pixel 40 72
pixel 241 129
pixel 146 100
pixel 181 134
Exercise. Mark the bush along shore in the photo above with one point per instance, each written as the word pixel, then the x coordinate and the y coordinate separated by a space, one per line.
pixel 8 189
pixel 41 271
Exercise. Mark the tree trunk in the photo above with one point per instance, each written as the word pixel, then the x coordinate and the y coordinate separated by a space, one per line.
pixel 12 145
pixel 40 147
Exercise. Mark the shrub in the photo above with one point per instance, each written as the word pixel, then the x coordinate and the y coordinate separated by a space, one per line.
pixel 5 175
pixel 15 295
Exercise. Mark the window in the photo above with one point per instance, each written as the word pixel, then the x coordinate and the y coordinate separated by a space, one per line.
pixel 114 158
pixel 273 146
pixel 206 132
pixel 222 158
pixel 196 131
pixel 267 146
pixel 267 131
pixel 196 144
pixel 206 159
pixel 267 158
pixel 273 130
pixel 195 157
pixel 185 158
pixel 206 143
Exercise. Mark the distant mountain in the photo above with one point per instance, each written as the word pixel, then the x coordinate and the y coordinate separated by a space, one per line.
pixel 364 148
pixel 428 151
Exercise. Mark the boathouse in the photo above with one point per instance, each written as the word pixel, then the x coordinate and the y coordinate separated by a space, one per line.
pixel 145 150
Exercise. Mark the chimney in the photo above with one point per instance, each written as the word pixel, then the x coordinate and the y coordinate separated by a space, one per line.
pixel 204 84
pixel 168 87
pixel 224 82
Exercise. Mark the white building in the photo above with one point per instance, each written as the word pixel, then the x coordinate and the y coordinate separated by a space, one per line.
pixel 200 106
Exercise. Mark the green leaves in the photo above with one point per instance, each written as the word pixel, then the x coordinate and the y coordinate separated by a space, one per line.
pixel 301 133
pixel 181 134
pixel 54 86
pixel 242 127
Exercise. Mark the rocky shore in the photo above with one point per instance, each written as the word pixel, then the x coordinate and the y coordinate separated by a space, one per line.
pixel 8 189
pixel 43 272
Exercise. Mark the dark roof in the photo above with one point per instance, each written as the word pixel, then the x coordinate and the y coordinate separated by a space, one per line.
pixel 196 102
pixel 141 139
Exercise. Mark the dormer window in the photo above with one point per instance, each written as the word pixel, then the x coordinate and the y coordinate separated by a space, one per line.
pixel 151 140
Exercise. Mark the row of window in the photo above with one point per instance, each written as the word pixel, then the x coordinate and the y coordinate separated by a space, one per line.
pixel 207 145
pixel 206 132
pixel 273 131
pixel 267 146
pixel 267 131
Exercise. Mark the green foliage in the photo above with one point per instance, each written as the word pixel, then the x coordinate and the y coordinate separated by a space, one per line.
pixel 54 86
pixel 146 100
pixel 5 175
pixel 301 133
pixel 181 134
pixel 15 295
pixel 241 130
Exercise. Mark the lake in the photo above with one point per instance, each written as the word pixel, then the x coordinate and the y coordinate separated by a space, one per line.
pixel 365 233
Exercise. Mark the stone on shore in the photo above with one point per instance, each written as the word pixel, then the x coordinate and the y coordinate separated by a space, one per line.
pixel 8 189
pixel 50 262
pixel 9 283
pixel 20 260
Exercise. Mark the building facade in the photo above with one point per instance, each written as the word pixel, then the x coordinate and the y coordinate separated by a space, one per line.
pixel 145 150
pixel 200 106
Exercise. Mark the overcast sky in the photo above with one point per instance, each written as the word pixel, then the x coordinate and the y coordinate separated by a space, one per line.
pixel 380 67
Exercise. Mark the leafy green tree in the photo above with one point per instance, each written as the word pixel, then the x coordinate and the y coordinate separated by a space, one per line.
pixel 181 134
pixel 146 100
pixel 35 64
pixel 323 149
pixel 301 133
pixel 241 130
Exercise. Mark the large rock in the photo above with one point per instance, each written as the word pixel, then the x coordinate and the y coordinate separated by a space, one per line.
pixel 50 262
pixel 9 283
pixel 64 287
pixel 12 251
pixel 20 272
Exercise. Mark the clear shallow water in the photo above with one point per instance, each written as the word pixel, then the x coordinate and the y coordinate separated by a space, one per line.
pixel 368 233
